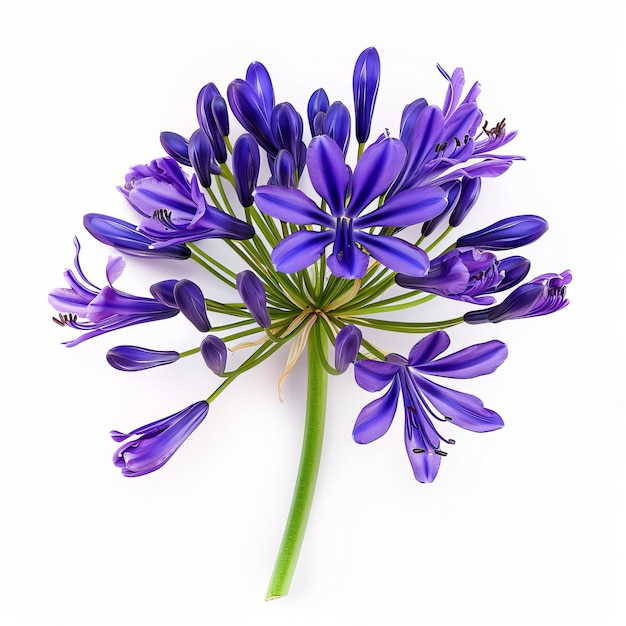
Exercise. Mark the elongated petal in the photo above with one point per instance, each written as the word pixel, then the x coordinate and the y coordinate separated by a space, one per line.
pixel 114 269
pixel 134 358
pixel 329 174
pixel 291 205
pixel 470 190
pixel 424 460
pixel 337 125
pixel 478 360
pixel 462 409
pixel 202 157
pixel 375 418
pixel 406 208
pixel 425 350
pixel 394 253
pixel 190 301
pixel 347 259
pixel 374 375
pixel 125 237
pixel 376 170
pixel 409 118
pixel 163 291
pixel 246 167
pixel 300 250
pixel 511 232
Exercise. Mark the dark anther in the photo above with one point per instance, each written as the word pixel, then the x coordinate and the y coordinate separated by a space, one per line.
pixel 447 418
pixel 418 450
pixel 441 453
pixel 466 139
pixel 441 147
pixel 411 409
pixel 64 318
pixel 451 442
pixel 458 142
pixel 496 131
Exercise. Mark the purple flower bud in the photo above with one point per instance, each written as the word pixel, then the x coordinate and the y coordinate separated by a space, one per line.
pixel 511 232
pixel 246 166
pixel 409 118
pixel 541 296
pixel 515 269
pixel 470 190
pixel 219 110
pixel 365 81
pixel 202 157
pixel 208 122
pixel 287 128
pixel 189 299
pixel 156 442
pixel 163 291
pixel 337 125
pixel 214 353
pixel 252 293
pixel 318 124
pixel 347 346
pixel 248 109
pixel 259 79
pixel 318 103
pixel 453 192
pixel 134 359
pixel 176 146
pixel 284 170
pixel 125 237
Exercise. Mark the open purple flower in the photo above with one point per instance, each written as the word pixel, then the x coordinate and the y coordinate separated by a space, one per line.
pixel 424 400
pixel 468 274
pixel 155 443
pixel 347 196
pixel 541 296
pixel 102 309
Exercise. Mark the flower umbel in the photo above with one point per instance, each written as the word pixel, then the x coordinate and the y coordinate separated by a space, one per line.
pixel 307 247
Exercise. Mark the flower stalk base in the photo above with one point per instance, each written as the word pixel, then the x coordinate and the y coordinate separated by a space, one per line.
pixel 295 528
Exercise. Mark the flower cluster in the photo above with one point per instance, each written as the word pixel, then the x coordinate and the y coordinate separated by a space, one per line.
pixel 332 241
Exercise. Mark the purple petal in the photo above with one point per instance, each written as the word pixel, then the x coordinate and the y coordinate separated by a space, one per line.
pixel 478 360
pixel 134 358
pixel 329 174
pixel 176 146
pixel 347 346
pixel 428 348
pixel 376 170
pixel 291 205
pixel 406 208
pixel 394 253
pixel 300 250
pixel 424 460
pixel 115 268
pixel 214 353
pixel 375 418
pixel 462 409
pixel 374 375
pixel 253 295
pixel 258 77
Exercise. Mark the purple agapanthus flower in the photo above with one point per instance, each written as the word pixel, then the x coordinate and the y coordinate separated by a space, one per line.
pixel 348 195
pixel 155 443
pixel 174 209
pixel 468 274
pixel 448 143
pixel 425 401
pixel 100 310
pixel 541 296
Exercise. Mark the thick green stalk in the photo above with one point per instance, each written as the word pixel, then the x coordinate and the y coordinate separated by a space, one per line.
pixel 307 472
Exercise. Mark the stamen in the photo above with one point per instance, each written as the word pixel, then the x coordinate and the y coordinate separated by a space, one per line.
pixel 64 318
pixel 418 450
pixel 165 217
pixel 441 453
pixel 496 131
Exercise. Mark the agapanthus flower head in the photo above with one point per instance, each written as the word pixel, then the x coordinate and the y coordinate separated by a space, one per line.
pixel 541 296
pixel 426 402
pixel 99 310
pixel 155 443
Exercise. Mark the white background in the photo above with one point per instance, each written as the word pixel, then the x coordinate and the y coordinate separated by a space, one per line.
pixel 522 526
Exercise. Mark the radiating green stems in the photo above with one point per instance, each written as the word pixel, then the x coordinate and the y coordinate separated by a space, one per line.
pixel 307 473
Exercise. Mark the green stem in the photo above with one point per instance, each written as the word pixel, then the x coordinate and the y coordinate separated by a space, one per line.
pixel 307 473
